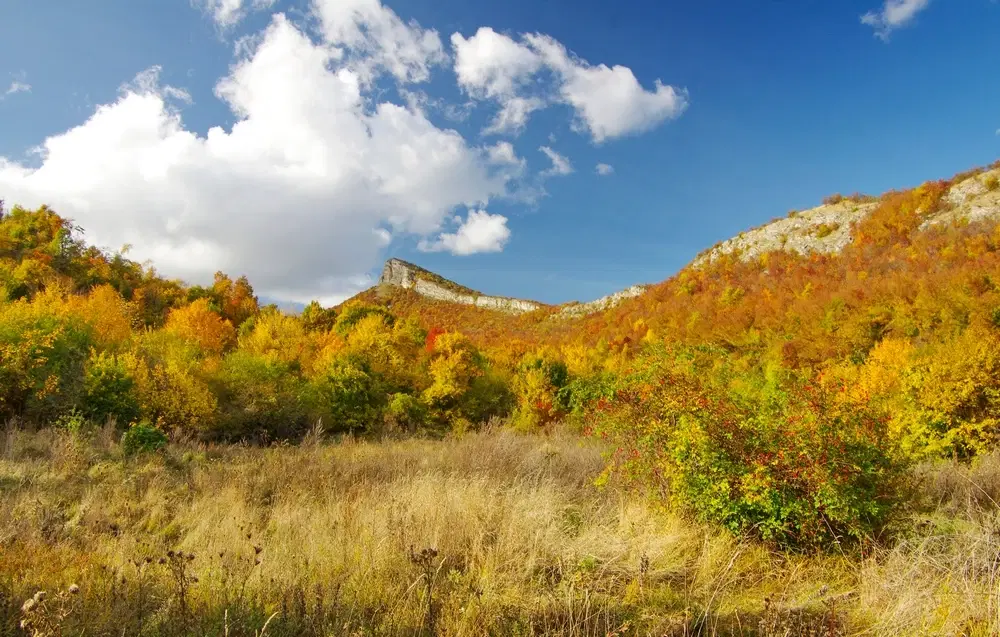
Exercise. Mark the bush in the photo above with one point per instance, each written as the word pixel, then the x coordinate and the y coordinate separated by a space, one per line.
pixel 488 396
pixel 992 182
pixel 42 353
pixel 73 422
pixel 405 412
pixel 142 438
pixel 260 397
pixel 348 396
pixel 770 457
pixel 109 390
pixel 824 230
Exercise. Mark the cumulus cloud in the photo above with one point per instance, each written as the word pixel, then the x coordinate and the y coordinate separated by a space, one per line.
pixel 604 169
pixel 301 194
pixel 608 101
pixel 560 164
pixel 480 232
pixel 893 15
pixel 372 38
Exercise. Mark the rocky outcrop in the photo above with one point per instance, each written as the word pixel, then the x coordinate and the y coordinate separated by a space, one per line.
pixel 399 273
pixel 406 275
pixel 576 310
pixel 825 229
pixel 973 199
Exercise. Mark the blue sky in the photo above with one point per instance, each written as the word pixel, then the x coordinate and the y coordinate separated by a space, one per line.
pixel 764 107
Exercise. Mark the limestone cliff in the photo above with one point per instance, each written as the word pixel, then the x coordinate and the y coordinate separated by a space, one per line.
pixel 424 282
pixel 575 310
pixel 827 228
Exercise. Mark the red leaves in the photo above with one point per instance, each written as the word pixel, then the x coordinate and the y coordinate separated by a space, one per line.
pixel 432 335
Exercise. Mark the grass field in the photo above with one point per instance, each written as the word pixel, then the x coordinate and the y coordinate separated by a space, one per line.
pixel 489 534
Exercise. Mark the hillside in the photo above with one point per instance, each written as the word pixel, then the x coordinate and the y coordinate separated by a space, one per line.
pixel 734 286
pixel 783 396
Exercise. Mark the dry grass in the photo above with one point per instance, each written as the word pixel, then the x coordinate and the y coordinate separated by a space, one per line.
pixel 493 533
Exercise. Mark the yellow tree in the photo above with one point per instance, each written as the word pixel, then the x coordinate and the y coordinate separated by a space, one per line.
pixel 197 323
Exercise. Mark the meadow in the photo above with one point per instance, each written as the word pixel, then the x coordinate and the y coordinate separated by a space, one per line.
pixel 488 533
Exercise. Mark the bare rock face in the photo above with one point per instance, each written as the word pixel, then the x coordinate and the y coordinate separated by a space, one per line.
pixel 973 199
pixel 406 275
pixel 577 310
pixel 825 229
pixel 398 273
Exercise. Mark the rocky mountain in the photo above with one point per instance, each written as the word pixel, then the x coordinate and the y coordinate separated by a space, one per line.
pixel 827 230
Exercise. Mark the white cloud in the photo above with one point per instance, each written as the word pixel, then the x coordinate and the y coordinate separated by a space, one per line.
pixel 893 15
pixel 17 86
pixel 560 164
pixel 227 13
pixel 301 194
pixel 490 64
pixel 513 115
pixel 609 102
pixel 503 154
pixel 604 169
pixel 371 37
pixel 480 232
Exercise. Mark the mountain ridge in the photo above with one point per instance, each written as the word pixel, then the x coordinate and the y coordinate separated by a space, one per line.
pixel 824 231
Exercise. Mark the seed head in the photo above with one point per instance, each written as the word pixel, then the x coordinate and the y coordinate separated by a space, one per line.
pixel 74 589
pixel 29 605
pixel 39 597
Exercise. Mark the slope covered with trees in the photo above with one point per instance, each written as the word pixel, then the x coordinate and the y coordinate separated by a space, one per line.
pixel 783 395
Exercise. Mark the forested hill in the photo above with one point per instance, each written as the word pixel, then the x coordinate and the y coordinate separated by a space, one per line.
pixel 779 385
pixel 823 282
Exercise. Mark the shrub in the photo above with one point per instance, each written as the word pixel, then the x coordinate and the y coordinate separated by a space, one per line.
pixel 42 352
pixel 348 396
pixel 992 182
pixel 260 397
pixel 405 412
pixel 833 199
pixel 142 438
pixel 824 230
pixel 73 422
pixel 109 390
pixel 488 396
pixel 758 454
pixel 171 388
pixel 537 386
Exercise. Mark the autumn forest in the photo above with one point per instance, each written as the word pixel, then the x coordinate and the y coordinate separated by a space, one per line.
pixel 781 443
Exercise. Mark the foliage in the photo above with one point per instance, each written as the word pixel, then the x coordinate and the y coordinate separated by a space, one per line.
pixel 142 438
pixel 260 397
pixel 109 390
pixel 199 324
pixel 42 354
pixel 897 335
pixel 759 451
